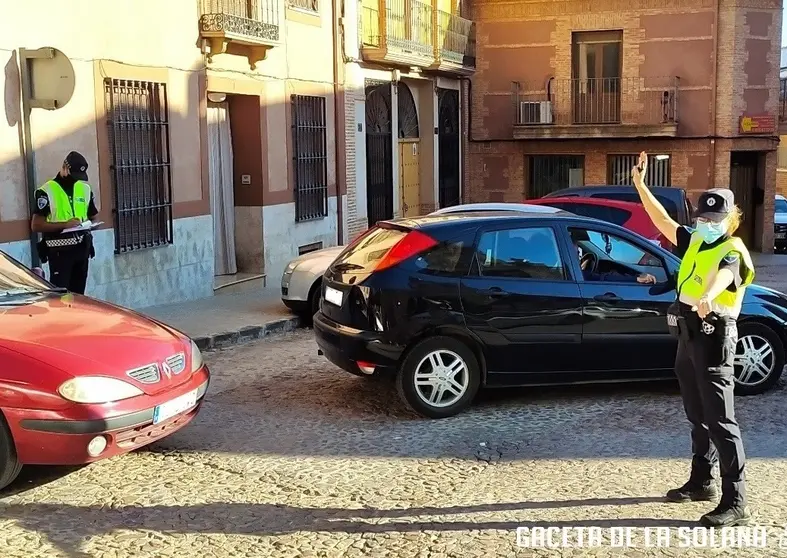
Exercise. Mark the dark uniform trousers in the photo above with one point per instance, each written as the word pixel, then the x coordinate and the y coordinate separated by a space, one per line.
pixel 705 369
pixel 68 268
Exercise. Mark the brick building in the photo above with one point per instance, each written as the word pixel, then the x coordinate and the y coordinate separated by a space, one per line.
pixel 568 92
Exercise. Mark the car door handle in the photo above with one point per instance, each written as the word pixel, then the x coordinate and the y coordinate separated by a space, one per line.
pixel 607 297
pixel 496 292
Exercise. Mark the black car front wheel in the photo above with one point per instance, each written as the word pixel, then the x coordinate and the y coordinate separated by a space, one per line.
pixel 439 377
pixel 9 464
pixel 759 359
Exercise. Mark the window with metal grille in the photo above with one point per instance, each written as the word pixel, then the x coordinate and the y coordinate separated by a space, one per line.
pixel 549 173
pixel 619 170
pixel 310 157
pixel 138 122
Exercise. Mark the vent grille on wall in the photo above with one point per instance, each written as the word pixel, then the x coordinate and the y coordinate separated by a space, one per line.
pixel 306 248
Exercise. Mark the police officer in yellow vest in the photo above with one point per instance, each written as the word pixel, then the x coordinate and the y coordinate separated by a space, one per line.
pixel 64 202
pixel 712 279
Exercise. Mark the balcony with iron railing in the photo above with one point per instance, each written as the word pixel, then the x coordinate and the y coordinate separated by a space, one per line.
pixel 454 44
pixel 247 27
pixel 398 32
pixel 596 108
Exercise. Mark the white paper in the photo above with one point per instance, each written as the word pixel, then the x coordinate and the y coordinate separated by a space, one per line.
pixel 85 226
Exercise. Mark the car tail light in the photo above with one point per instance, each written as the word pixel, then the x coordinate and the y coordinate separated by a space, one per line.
pixel 365 367
pixel 413 244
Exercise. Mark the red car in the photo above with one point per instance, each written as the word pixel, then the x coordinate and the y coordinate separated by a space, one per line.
pixel 83 380
pixel 626 214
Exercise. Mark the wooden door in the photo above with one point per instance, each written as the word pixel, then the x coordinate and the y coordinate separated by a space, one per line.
pixel 410 177
pixel 743 183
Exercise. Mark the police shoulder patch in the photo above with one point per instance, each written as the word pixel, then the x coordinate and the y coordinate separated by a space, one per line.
pixel 732 257
pixel 43 201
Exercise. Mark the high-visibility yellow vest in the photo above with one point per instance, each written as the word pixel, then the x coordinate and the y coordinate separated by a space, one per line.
pixel 698 269
pixel 60 208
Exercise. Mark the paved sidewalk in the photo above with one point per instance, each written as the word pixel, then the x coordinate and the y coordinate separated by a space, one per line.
pixel 228 319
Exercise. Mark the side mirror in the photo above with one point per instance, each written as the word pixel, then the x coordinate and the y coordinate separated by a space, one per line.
pixel 40 272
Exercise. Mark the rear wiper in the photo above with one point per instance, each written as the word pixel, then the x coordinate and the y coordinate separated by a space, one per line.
pixel 346 266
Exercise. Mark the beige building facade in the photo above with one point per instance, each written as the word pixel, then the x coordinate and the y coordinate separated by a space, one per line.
pixel 405 61
pixel 210 128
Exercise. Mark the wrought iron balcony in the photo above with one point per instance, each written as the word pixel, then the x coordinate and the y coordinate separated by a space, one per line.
pixel 252 25
pixel 597 107
pixel 398 32
pixel 454 43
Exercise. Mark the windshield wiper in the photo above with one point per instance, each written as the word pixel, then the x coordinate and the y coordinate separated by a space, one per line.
pixel 346 266
pixel 21 292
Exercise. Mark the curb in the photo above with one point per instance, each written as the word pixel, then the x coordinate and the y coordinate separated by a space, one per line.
pixel 246 334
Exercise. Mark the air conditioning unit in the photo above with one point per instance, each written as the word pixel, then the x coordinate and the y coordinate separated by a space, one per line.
pixel 535 112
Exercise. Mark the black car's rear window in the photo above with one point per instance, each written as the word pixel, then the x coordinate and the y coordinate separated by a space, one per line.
pixel 669 205
pixel 366 252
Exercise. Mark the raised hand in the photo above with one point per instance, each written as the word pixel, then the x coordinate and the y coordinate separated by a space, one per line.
pixel 641 168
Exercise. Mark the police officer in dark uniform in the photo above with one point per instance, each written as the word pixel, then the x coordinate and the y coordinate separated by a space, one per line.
pixel 712 279
pixel 62 203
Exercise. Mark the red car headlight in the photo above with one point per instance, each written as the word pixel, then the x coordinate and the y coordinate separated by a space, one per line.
pixel 196 357
pixel 97 389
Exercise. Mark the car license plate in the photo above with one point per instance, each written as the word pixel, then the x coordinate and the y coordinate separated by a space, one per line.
pixel 781 235
pixel 175 407
pixel 333 296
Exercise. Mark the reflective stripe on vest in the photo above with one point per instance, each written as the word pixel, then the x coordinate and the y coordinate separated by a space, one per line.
pixel 698 269
pixel 60 209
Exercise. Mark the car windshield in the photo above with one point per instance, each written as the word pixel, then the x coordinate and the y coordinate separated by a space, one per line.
pixel 781 206
pixel 16 279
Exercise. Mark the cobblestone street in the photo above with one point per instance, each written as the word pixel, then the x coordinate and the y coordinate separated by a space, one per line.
pixel 292 457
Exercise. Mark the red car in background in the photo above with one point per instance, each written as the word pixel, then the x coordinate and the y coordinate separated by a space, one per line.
pixel 83 380
pixel 630 215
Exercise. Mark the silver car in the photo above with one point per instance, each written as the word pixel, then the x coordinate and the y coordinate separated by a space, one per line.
pixel 300 283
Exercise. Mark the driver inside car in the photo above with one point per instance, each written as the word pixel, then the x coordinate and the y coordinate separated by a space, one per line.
pixel 590 275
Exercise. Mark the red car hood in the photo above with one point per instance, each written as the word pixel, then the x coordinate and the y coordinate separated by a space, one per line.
pixel 82 336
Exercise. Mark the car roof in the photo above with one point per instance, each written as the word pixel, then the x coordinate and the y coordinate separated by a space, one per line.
pixel 668 191
pixel 494 207
pixel 780 197
pixel 623 204
pixel 449 219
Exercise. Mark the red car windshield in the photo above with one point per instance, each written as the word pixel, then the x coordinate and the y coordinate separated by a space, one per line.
pixel 17 279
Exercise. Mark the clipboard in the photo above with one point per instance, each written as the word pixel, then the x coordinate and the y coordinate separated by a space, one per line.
pixel 85 226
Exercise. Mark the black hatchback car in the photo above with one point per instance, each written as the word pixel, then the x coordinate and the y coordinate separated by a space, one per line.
pixel 452 303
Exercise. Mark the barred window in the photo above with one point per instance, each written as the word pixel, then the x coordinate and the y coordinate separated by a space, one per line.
pixel 619 170
pixel 310 157
pixel 549 173
pixel 138 122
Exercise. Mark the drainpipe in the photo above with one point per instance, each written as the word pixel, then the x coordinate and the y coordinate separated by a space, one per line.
pixel 715 78
pixel 338 50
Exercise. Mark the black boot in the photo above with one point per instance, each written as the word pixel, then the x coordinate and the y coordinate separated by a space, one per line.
pixel 694 492
pixel 726 515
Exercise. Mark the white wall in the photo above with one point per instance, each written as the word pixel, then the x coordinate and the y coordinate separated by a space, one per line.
pixel 283 235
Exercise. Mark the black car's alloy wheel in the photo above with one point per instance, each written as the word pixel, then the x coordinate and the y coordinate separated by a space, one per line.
pixel 9 464
pixel 439 377
pixel 759 359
